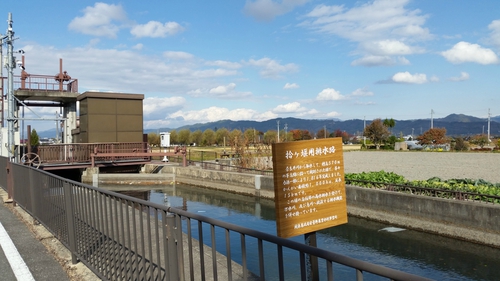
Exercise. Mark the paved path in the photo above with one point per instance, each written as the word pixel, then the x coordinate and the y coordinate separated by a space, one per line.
pixel 22 256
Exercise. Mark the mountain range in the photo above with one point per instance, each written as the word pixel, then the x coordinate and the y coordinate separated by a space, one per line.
pixel 455 125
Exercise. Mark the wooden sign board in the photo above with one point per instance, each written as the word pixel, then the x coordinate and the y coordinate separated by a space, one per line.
pixel 309 188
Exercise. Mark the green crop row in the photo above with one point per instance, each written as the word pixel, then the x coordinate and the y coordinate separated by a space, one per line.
pixel 382 179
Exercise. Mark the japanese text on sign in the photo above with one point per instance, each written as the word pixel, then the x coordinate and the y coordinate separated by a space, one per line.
pixel 309 186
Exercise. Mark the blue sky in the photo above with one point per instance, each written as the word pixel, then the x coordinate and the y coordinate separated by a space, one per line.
pixel 203 61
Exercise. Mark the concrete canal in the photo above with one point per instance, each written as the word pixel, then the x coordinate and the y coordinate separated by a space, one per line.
pixel 411 251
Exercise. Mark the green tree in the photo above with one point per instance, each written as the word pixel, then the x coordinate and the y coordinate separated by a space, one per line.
pixel 221 136
pixel 389 123
pixel 173 137
pixel 376 132
pixel 34 139
pixel 235 137
pixel 270 137
pixel 196 137
pixel 154 139
pixel 208 137
pixel 183 136
pixel 250 135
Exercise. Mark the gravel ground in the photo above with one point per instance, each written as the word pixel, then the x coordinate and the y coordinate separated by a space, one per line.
pixel 419 165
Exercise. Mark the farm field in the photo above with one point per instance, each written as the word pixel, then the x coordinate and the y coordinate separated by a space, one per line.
pixel 420 165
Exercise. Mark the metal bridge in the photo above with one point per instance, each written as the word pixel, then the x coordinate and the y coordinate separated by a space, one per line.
pixel 83 155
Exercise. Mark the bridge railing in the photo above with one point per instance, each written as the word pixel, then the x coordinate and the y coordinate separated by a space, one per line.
pixel 120 237
pixel 45 83
pixel 82 152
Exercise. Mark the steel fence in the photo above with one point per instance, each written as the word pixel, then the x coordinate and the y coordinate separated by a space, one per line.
pixel 124 238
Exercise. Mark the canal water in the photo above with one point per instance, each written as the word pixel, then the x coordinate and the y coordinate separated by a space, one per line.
pixel 415 252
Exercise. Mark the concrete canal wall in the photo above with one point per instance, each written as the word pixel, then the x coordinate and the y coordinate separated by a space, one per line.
pixel 471 221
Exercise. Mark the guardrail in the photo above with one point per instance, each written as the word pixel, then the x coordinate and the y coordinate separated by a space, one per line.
pixel 120 237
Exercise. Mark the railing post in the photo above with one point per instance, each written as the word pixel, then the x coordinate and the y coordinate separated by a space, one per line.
pixel 33 193
pixel 311 261
pixel 10 183
pixel 175 261
pixel 70 220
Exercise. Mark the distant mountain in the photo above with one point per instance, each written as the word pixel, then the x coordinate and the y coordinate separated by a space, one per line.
pixel 455 125
pixel 496 118
pixel 460 118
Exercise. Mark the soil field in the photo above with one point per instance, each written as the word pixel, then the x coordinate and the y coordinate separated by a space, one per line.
pixel 421 165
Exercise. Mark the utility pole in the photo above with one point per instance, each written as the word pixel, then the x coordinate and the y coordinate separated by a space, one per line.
pixel 489 115
pixel 432 118
pixel 286 131
pixel 278 122
pixel 1 82
pixel 11 64
pixel 364 127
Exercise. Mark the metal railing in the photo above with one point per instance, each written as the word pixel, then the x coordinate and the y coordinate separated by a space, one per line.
pixel 82 152
pixel 45 83
pixel 124 238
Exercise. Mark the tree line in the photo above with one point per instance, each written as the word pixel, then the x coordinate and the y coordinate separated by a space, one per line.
pixel 223 136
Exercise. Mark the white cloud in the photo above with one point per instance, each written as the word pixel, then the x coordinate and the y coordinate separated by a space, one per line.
pixel 156 29
pixel 223 89
pixel 138 46
pixel 266 10
pixel 463 76
pixel 466 52
pixel 224 64
pixel 494 26
pixel 406 77
pixel 177 55
pixel 99 20
pixel 361 93
pixel 333 114
pixel 228 92
pixel 290 86
pixel 380 61
pixel 330 94
pixel 434 78
pixel 375 20
pixel 323 11
pixel 381 27
pixel 271 68
pixel 289 108
pixel 159 107
pixel 389 48
pixel 215 113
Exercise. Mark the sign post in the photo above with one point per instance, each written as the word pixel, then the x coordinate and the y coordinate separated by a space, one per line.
pixel 309 188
